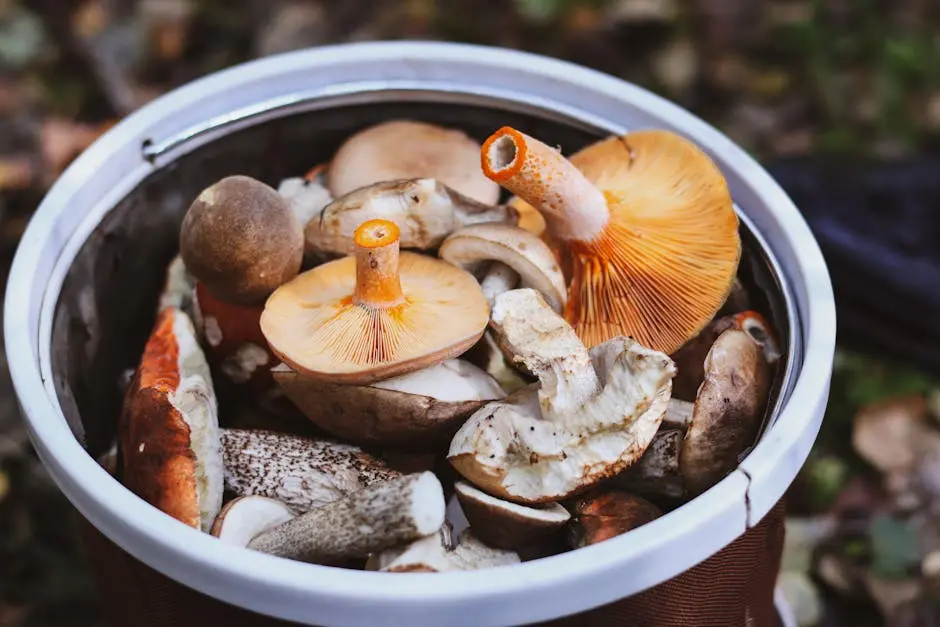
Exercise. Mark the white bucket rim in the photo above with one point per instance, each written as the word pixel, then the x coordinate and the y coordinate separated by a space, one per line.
pixel 527 592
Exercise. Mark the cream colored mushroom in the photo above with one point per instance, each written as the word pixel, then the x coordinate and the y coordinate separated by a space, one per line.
pixel 404 149
pixel 245 517
pixel 301 472
pixel 373 519
pixel 508 245
pixel 432 555
pixel 425 211
pixel 591 415
pixel 418 411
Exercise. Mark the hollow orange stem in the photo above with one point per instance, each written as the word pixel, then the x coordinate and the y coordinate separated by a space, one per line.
pixel 377 282
pixel 543 177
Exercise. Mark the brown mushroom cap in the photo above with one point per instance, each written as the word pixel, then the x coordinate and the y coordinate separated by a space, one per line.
pixel 650 231
pixel 603 515
pixel 690 359
pixel 168 431
pixel 728 410
pixel 405 149
pixel 418 411
pixel 374 315
pixel 241 238
pixel 506 525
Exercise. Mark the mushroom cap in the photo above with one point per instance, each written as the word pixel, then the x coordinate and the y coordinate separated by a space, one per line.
pixel 690 359
pixel 604 515
pixel 312 324
pixel 242 239
pixel 405 149
pixel 728 410
pixel 510 450
pixel 506 525
pixel 418 411
pixel 519 249
pixel 671 246
pixel 245 517
pixel 657 472
pixel 168 431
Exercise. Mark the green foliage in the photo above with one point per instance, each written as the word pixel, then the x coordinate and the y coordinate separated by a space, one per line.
pixel 894 549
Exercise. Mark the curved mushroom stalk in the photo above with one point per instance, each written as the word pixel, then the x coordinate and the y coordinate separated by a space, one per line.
pixel 583 423
pixel 425 210
pixel 169 428
pixel 648 227
pixel 432 555
pixel 498 278
pixel 527 255
pixel 302 473
pixel 418 411
pixel 406 149
pixel 376 518
pixel 374 315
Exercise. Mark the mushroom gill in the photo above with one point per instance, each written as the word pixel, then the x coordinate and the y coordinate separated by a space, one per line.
pixel 649 235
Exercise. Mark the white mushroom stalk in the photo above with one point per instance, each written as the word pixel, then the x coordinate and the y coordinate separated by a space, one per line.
pixel 431 555
pixel 373 519
pixel 592 414
pixel 303 473
pixel 497 279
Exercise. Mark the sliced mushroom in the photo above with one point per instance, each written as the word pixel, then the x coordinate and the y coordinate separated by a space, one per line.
pixel 177 288
pixel 241 239
pixel 374 315
pixel 375 518
pixel 431 555
pixel 723 420
pixel 418 411
pixel 505 525
pixel 245 517
pixel 303 473
pixel 591 415
pixel 604 515
pixel 425 211
pixel 511 246
pixel 404 149
pixel 169 430
pixel 648 227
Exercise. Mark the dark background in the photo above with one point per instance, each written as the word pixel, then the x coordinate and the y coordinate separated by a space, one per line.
pixel 840 99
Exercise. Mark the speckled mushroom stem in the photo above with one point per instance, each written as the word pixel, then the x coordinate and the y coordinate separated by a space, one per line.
pixel 377 282
pixel 379 517
pixel 540 175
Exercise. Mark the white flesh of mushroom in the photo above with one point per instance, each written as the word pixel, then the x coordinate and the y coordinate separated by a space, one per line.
pixel 454 380
pixel 592 415
pixel 245 517
pixel 307 198
pixel 430 554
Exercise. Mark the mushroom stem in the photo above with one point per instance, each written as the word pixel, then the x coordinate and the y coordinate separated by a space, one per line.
pixel 543 177
pixel 499 278
pixel 678 414
pixel 374 519
pixel 377 282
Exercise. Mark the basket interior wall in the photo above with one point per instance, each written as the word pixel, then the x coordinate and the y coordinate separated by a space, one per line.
pixel 107 305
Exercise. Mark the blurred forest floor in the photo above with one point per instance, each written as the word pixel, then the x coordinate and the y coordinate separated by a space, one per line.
pixel 780 77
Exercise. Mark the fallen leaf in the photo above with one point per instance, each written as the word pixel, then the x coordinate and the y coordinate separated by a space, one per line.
pixel 885 433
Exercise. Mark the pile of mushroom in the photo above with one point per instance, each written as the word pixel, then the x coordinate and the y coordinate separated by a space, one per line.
pixel 481 383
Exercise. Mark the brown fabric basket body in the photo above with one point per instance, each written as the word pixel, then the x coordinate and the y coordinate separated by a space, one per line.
pixel 733 588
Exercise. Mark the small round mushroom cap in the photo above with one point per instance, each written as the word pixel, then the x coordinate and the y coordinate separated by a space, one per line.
pixel 646 223
pixel 376 314
pixel 506 525
pixel 513 246
pixel 405 149
pixel 728 410
pixel 242 239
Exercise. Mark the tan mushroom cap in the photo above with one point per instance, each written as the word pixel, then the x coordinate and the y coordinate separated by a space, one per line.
pixel 374 315
pixel 405 149
pixel 648 226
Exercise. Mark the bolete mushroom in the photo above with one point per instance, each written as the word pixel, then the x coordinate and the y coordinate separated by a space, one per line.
pixel 603 515
pixel 373 519
pixel 168 431
pixel 591 415
pixel 506 525
pixel 404 149
pixel 646 225
pixel 375 315
pixel 245 517
pixel 724 418
pixel 241 239
pixel 425 211
pixel 303 473
pixel 508 246
pixel 433 555
pixel 417 411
